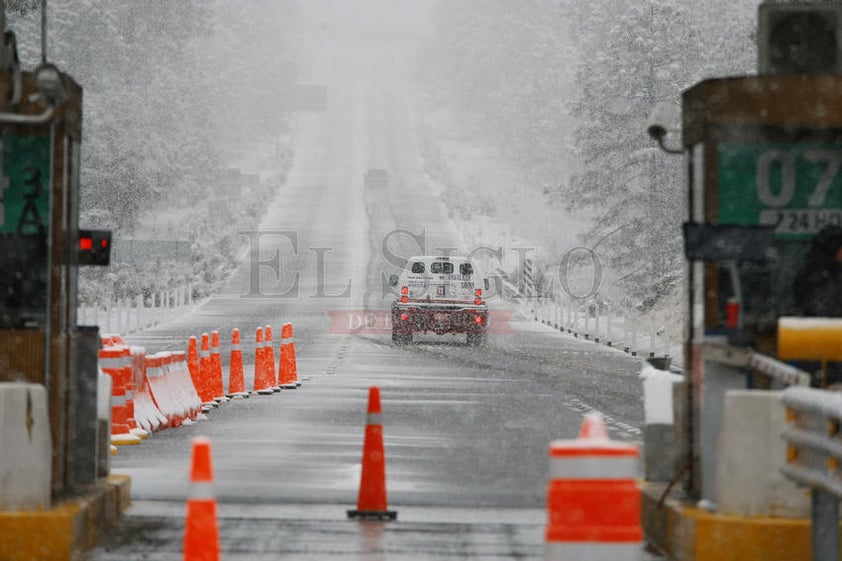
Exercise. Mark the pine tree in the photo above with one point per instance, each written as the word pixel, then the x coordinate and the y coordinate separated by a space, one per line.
pixel 644 53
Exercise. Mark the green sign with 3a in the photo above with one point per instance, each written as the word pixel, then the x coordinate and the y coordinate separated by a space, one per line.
pixel 24 185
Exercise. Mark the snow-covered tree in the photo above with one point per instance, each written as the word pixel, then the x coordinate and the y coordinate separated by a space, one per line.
pixel 644 54
pixel 565 89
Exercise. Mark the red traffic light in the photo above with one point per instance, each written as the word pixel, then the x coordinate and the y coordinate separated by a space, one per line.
pixel 94 247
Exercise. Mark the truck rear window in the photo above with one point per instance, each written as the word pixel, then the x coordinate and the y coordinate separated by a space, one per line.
pixel 418 267
pixel 466 269
pixel 440 268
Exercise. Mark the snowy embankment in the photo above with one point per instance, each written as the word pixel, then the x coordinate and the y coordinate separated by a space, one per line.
pixel 494 205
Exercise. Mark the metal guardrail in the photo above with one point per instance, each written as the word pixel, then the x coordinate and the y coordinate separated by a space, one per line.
pixel 815 451
pixel 814 456
pixel 747 358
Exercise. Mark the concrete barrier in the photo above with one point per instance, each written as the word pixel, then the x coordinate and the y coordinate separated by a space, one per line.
pixel 103 416
pixel 24 428
pixel 659 436
pixel 750 454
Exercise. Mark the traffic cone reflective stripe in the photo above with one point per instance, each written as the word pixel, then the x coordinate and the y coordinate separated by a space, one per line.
pixel 372 500
pixel 236 377
pixel 216 381
pixel 287 369
pixel 593 500
pixel 262 383
pixel 201 532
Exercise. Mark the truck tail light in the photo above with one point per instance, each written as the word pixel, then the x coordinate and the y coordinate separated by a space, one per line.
pixel 478 299
pixel 404 294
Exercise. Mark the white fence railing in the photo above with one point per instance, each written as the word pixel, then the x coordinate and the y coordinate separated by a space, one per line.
pixel 650 334
pixel 129 315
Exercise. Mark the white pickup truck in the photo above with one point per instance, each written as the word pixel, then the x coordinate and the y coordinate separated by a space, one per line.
pixel 438 294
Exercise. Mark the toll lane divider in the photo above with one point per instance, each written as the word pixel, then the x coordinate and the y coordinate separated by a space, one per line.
pixel 152 392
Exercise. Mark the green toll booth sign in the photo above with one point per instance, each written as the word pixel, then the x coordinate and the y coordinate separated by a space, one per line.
pixel 24 230
pixel 795 187
pixel 24 188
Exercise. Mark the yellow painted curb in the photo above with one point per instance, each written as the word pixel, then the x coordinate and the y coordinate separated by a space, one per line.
pixel 125 439
pixel 685 533
pixel 65 531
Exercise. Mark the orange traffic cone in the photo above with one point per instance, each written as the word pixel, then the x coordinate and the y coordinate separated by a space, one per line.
pixel 193 360
pixel 262 383
pixel 270 357
pixel 287 369
pixel 371 501
pixel 236 378
pixel 593 427
pixel 216 382
pixel 593 500
pixel 204 387
pixel 201 532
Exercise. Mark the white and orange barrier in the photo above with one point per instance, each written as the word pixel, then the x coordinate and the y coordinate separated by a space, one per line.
pixel 146 413
pixel 149 393
pixel 164 399
pixel 172 388
pixel 188 397
pixel 593 499
pixel 115 361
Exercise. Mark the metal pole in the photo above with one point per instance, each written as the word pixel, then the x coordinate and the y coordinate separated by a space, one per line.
pixel 43 31
pixel 825 528
pixel 3 61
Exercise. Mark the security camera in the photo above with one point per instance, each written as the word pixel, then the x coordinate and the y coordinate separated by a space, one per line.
pixel 50 83
pixel 662 115
pixel 660 119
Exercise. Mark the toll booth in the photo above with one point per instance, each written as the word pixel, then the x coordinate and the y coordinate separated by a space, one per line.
pixel 763 242
pixel 764 155
pixel 40 138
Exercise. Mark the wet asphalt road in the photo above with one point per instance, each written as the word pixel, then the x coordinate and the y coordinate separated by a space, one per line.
pixel 466 430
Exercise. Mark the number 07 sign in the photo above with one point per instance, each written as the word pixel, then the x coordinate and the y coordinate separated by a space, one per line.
pixel 795 187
